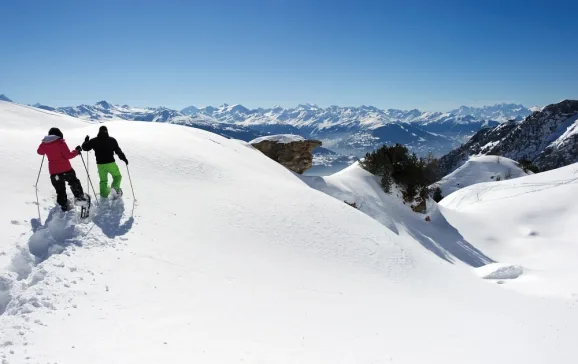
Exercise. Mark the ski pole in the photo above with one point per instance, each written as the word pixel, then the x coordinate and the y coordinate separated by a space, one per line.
pixel 130 180
pixel 89 181
pixel 36 189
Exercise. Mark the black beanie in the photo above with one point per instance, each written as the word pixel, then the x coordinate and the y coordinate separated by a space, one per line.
pixel 103 129
pixel 55 131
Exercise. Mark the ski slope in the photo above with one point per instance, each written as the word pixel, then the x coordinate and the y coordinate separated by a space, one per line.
pixel 477 169
pixel 228 257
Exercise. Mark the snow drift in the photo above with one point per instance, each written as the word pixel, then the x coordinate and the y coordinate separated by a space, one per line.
pixel 227 256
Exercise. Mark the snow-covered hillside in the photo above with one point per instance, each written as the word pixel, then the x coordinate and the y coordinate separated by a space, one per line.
pixel 527 224
pixel 480 169
pixel 227 256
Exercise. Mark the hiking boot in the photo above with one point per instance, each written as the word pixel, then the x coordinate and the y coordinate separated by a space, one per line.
pixel 67 207
pixel 114 193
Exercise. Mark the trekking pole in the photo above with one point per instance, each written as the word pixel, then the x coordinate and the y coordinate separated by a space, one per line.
pixel 89 181
pixel 87 168
pixel 130 180
pixel 36 188
pixel 40 170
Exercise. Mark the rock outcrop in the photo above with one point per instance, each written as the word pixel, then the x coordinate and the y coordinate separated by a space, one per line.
pixel 291 151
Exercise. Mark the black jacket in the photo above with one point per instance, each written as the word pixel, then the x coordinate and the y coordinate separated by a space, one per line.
pixel 104 148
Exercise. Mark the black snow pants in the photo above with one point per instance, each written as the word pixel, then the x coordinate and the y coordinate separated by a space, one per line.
pixel 58 181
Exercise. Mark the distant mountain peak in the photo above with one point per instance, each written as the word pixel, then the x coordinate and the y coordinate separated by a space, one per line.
pixel 104 104
pixel 5 98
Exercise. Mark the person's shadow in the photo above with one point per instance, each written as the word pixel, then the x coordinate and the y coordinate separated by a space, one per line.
pixel 108 216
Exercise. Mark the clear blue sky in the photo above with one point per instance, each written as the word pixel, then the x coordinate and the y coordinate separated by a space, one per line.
pixel 433 55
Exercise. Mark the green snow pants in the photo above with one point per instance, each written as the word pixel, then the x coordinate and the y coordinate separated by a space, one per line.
pixel 103 171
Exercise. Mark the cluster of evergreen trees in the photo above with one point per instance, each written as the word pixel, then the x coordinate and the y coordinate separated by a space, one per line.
pixel 396 164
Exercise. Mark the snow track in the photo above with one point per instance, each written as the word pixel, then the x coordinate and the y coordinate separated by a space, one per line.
pixel 61 233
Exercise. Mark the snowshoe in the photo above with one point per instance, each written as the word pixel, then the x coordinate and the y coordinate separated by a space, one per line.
pixel 84 207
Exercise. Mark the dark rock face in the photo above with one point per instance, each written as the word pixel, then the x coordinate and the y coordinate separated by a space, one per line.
pixel 542 138
pixel 297 155
pixel 547 138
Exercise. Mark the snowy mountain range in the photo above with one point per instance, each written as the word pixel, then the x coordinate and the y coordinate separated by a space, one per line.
pixel 103 111
pixel 548 138
pixel 346 130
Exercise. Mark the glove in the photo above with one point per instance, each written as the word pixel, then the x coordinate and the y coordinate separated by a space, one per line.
pixel 78 148
pixel 86 139
pixel 125 161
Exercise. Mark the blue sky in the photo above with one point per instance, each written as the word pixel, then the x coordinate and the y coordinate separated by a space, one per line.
pixel 433 55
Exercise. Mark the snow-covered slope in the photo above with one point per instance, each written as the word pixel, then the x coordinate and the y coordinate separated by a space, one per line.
pixel 227 256
pixel 356 186
pixel 519 233
pixel 480 169
pixel 528 224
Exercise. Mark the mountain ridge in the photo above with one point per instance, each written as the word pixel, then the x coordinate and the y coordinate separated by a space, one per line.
pixel 548 138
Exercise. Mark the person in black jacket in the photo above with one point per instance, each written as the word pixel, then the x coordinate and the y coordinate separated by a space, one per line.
pixel 104 148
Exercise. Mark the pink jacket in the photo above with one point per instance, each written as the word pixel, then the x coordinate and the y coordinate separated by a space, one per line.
pixel 58 154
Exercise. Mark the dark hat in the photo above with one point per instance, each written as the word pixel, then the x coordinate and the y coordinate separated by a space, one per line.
pixel 55 131
pixel 103 129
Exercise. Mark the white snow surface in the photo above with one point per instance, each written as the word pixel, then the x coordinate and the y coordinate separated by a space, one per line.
pixel 528 222
pixel 477 169
pixel 279 138
pixel 228 257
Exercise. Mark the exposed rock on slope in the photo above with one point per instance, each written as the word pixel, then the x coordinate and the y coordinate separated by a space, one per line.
pixel 291 151
pixel 549 138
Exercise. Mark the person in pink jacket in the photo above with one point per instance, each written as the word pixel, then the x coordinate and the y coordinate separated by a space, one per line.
pixel 56 151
